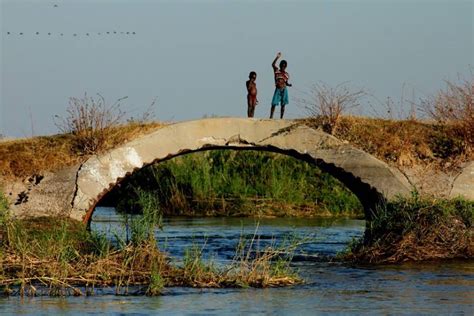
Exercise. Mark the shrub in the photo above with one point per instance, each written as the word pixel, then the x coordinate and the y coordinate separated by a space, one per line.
pixel 326 104
pixel 415 229
pixel 91 121
pixel 454 106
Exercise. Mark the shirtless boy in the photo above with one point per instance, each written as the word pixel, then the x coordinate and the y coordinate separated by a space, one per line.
pixel 251 94
pixel 280 97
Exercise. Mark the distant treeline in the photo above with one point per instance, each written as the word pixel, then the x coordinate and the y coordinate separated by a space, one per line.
pixel 235 183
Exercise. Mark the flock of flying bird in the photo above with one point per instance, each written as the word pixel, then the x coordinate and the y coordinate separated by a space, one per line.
pixel 76 34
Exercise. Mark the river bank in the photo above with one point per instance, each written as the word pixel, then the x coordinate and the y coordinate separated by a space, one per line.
pixel 59 257
pixel 329 287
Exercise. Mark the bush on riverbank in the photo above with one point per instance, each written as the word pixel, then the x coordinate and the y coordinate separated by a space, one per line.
pixel 416 229
pixel 237 183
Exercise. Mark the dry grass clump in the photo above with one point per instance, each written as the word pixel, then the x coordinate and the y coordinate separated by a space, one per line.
pixel 81 268
pixel 24 157
pixel 326 105
pixel 91 121
pixel 417 229
pixel 265 267
pixel 251 266
pixel 21 158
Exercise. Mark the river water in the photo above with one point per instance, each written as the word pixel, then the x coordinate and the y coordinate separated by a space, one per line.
pixel 329 288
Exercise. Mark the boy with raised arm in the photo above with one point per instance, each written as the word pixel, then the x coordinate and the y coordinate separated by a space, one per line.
pixel 280 97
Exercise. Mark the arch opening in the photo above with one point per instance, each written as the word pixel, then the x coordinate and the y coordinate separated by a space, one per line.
pixel 327 176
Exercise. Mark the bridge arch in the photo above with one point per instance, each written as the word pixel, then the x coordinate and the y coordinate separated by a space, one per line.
pixel 370 179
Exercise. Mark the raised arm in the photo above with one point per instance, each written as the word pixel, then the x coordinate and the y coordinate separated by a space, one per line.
pixel 275 60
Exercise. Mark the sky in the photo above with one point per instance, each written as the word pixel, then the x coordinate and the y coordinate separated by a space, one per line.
pixel 194 57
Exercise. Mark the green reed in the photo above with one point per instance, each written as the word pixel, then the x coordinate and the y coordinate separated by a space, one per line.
pixel 224 182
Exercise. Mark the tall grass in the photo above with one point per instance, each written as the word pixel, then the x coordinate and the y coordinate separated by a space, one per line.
pixel 267 265
pixel 142 228
pixel 224 182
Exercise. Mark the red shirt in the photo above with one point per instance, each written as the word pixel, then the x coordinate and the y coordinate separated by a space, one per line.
pixel 281 75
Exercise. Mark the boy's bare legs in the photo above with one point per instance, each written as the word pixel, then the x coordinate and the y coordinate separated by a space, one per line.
pixel 251 110
pixel 272 111
pixel 282 111
pixel 251 104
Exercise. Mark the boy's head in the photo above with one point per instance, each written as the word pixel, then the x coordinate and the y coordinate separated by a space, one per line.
pixel 252 75
pixel 283 64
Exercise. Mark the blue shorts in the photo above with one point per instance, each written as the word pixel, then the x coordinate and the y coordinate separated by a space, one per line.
pixel 280 97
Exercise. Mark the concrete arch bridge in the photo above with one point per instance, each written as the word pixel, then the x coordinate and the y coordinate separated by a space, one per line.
pixel 76 190
pixel 370 179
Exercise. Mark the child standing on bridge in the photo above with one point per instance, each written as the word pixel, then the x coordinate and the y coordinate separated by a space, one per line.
pixel 251 94
pixel 280 96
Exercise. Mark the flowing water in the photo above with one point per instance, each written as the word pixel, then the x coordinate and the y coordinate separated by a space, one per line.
pixel 329 288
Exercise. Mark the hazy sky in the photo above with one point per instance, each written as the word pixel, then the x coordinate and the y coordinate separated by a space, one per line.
pixel 195 56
